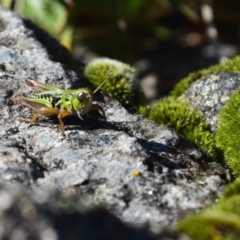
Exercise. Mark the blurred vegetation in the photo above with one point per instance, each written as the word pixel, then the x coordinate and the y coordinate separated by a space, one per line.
pixel 123 28
pixel 53 16
pixel 114 28
pixel 232 65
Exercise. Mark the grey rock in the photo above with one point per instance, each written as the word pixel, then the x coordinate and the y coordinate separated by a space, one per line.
pixel 16 165
pixel 144 173
pixel 210 93
pixel 54 217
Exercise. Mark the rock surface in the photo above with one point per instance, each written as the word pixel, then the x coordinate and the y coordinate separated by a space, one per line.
pixel 210 93
pixel 53 217
pixel 145 174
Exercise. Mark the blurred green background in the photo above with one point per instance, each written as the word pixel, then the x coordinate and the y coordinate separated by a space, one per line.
pixel 168 38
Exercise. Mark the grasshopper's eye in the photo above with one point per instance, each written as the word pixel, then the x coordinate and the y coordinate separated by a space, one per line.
pixel 81 96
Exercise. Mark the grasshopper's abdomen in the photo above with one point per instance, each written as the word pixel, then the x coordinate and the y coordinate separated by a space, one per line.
pixel 52 98
pixel 46 96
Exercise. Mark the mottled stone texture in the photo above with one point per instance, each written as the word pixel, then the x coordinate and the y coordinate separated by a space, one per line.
pixel 209 94
pixel 143 173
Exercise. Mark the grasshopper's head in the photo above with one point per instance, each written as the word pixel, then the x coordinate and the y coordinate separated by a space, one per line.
pixel 82 101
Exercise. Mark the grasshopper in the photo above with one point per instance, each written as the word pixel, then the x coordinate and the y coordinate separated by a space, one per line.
pixel 52 100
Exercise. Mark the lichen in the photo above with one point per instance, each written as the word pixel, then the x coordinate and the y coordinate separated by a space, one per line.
pixel 122 83
pixel 231 65
pixel 227 136
pixel 179 115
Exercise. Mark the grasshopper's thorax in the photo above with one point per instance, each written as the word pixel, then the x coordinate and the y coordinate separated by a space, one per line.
pixel 79 100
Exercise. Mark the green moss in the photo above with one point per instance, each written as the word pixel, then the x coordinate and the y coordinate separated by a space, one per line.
pixel 122 83
pixel 219 222
pixel 230 205
pixel 227 136
pixel 213 223
pixel 145 110
pixel 179 115
pixel 170 111
pixel 232 65
pixel 196 228
pixel 231 189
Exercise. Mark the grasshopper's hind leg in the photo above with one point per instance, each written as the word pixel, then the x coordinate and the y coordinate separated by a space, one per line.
pixel 46 111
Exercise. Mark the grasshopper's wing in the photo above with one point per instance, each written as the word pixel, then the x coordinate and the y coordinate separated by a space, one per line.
pixel 43 87
pixel 34 103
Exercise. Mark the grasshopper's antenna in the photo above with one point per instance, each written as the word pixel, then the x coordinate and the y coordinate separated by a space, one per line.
pixel 102 83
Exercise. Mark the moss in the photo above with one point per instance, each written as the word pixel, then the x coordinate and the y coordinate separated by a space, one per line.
pixel 170 111
pixel 231 189
pixel 227 136
pixel 179 115
pixel 196 228
pixel 232 65
pixel 122 83
pixel 221 221
pixel 230 205
pixel 145 111
pixel 213 223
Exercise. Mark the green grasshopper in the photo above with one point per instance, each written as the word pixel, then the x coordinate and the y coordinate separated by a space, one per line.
pixel 52 100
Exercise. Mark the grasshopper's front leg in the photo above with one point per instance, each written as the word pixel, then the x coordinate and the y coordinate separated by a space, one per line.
pixel 62 114
pixel 97 107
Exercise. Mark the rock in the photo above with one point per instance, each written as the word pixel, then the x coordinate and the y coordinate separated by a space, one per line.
pixel 143 173
pixel 210 93
pixel 51 216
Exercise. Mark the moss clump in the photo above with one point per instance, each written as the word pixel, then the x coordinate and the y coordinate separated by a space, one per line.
pixel 232 65
pixel 196 228
pixel 221 221
pixel 231 189
pixel 122 83
pixel 227 135
pixel 230 205
pixel 145 110
pixel 179 115
pixel 214 223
